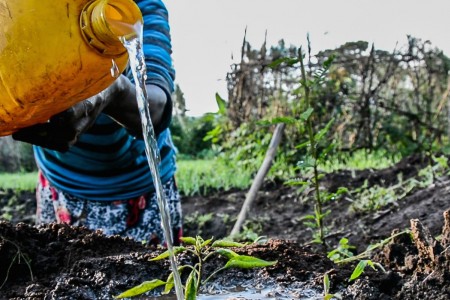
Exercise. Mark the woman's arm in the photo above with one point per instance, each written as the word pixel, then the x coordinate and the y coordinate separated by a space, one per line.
pixel 119 100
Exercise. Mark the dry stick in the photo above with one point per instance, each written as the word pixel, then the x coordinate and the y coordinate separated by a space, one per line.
pixel 257 182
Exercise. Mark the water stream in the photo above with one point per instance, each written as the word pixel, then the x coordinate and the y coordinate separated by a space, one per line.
pixel 133 44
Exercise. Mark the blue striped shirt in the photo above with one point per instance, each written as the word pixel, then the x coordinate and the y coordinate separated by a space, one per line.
pixel 107 163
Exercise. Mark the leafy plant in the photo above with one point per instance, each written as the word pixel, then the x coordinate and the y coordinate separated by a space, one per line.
pixel 375 197
pixel 360 267
pixel 344 250
pixel 316 147
pixel 198 177
pixel 202 250
pixel 342 255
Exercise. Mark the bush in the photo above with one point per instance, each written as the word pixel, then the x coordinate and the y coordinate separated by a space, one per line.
pixel 16 156
pixel 188 136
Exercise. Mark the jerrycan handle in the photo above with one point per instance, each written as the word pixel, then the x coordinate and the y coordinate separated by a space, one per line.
pixel 102 22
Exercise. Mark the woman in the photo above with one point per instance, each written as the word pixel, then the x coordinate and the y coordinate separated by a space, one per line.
pixel 92 162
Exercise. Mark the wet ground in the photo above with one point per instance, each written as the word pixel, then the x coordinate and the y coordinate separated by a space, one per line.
pixel 61 262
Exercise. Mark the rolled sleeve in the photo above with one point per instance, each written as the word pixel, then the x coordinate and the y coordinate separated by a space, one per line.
pixel 157 50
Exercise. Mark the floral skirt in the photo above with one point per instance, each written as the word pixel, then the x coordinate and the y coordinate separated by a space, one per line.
pixel 138 218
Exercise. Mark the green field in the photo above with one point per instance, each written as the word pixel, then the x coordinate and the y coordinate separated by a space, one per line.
pixel 193 176
pixel 18 181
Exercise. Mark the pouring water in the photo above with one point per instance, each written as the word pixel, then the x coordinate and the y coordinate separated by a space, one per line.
pixel 133 44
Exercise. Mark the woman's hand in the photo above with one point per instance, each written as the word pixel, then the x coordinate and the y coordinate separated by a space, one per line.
pixel 118 101
pixel 63 129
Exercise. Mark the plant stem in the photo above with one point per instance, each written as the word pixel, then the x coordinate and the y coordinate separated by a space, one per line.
pixel 309 126
pixel 199 273
pixel 366 253
pixel 213 274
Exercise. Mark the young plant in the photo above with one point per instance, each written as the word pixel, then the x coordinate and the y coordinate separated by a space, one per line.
pixel 316 147
pixel 326 289
pixel 202 250
pixel 342 255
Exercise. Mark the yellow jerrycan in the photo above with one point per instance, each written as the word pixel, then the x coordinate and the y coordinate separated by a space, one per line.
pixel 55 53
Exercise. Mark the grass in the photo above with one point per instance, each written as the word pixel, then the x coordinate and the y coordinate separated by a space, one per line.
pixel 193 177
pixel 360 160
pixel 18 181
pixel 200 176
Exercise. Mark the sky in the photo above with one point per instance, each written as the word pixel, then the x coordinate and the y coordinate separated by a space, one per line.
pixel 207 34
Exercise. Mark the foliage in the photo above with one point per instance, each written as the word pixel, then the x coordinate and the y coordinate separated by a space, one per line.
pixel 18 181
pixel 202 250
pixel 392 101
pixel 326 289
pixel 361 266
pixel 198 177
pixel 16 156
pixel 342 255
pixel 188 136
pixel 314 146
pixel 360 160
pixel 375 197
pixel 197 221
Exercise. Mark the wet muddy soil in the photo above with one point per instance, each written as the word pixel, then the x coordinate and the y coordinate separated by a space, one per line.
pixel 61 262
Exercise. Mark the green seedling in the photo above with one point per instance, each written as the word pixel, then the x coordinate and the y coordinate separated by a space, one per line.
pixel 315 146
pixel 326 289
pixel 342 255
pixel 360 267
pixel 342 251
pixel 202 250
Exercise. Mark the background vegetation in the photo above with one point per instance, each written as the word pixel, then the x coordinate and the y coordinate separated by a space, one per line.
pixel 385 105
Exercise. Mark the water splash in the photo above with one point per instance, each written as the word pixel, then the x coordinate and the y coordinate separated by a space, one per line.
pixel 133 44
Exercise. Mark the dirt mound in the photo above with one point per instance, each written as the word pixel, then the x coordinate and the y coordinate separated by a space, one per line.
pixel 63 262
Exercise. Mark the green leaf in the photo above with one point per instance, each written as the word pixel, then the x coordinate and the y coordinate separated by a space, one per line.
pixel 289 61
pixel 295 182
pixel 306 114
pixel 308 217
pixel 165 254
pixel 206 243
pixel 226 253
pixel 329 61
pixel 225 243
pixel 188 240
pixel 326 284
pixel 371 264
pixel 191 287
pixel 358 270
pixel 307 163
pixel 248 262
pixel 277 120
pixel 323 131
pixel 222 105
pixel 310 224
pixel 140 289
pixel 170 283
pixel 303 145
pixel 343 241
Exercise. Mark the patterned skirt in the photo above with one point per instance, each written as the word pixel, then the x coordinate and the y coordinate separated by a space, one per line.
pixel 138 218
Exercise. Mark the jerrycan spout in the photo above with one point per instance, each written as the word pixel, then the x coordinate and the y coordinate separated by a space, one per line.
pixel 102 22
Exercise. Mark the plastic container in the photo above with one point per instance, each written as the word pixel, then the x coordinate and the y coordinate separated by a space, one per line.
pixel 55 53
